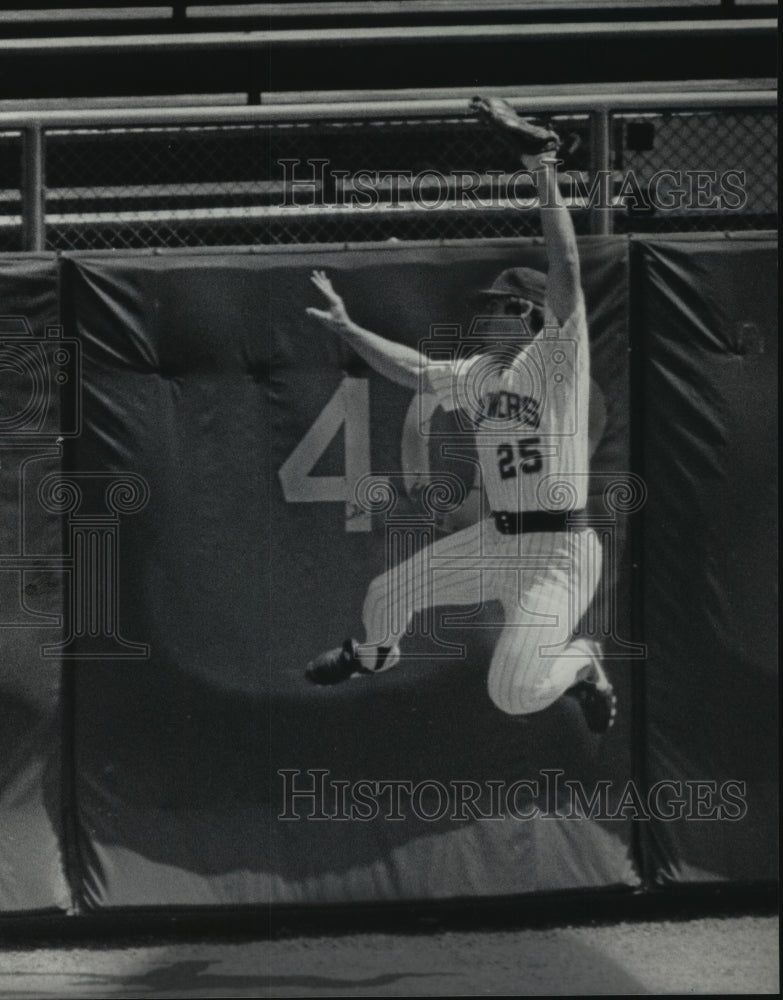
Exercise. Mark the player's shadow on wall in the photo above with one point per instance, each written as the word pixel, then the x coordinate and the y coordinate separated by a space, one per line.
pixel 186 774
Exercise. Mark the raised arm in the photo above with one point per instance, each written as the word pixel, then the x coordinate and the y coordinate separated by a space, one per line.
pixel 397 362
pixel 538 146
pixel 563 278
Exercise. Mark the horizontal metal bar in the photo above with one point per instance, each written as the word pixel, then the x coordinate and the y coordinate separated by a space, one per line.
pixel 300 214
pixel 385 8
pixel 58 15
pixel 122 192
pixel 695 100
pixel 587 90
pixel 242 41
pixel 330 8
pixel 33 104
pixel 382 246
pixel 293 213
pixel 520 94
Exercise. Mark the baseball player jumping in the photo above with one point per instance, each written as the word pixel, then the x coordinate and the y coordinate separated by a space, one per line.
pixel 524 394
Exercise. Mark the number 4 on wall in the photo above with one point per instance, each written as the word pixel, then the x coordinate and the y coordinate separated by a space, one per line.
pixel 348 408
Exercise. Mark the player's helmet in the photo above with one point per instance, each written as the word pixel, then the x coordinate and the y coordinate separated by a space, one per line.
pixel 518 282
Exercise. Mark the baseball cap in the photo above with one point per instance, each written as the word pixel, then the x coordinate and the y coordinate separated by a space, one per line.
pixel 522 282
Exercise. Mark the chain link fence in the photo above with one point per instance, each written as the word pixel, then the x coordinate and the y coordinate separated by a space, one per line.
pixel 299 183
pixel 375 180
pixel 697 172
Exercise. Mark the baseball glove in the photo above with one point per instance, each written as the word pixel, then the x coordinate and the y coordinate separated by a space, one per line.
pixel 530 137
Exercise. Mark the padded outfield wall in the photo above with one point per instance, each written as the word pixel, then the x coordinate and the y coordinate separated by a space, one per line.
pixel 217 480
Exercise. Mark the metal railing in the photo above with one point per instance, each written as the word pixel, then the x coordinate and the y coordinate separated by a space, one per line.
pixel 398 35
pixel 185 176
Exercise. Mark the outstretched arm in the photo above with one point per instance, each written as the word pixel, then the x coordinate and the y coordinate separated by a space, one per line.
pixel 538 145
pixel 397 362
pixel 563 278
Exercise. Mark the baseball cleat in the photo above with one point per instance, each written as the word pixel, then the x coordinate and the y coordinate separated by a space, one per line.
pixel 335 666
pixel 595 696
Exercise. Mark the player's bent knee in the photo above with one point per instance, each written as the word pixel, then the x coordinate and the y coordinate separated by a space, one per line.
pixel 505 698
pixel 502 703
pixel 521 699
pixel 521 703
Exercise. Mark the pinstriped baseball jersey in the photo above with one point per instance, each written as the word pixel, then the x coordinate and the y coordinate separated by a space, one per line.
pixel 529 412
pixel 527 405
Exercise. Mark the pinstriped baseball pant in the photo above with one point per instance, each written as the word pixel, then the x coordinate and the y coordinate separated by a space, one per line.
pixel 544 581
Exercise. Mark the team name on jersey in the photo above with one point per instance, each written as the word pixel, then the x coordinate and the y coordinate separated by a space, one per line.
pixel 504 405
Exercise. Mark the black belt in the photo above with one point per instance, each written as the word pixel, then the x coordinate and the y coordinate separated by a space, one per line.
pixel 515 523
